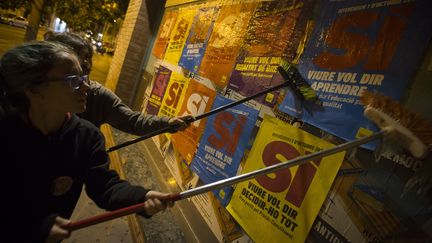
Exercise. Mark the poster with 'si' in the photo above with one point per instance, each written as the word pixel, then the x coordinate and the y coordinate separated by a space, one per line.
pixel 359 45
pixel 282 206
pixel 164 34
pixel 198 99
pixel 179 34
pixel 223 143
pixel 160 83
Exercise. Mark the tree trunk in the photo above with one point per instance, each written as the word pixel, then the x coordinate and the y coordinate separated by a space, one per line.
pixel 34 20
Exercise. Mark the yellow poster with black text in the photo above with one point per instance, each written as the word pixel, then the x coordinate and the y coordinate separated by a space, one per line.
pixel 179 35
pixel 282 206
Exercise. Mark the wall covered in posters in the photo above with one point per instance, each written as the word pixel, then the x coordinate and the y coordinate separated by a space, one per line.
pixel 271 35
pixel 356 46
pixel 225 42
pixel 211 53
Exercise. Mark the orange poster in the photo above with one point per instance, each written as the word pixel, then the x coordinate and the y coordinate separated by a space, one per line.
pixel 225 42
pixel 198 100
pixel 164 34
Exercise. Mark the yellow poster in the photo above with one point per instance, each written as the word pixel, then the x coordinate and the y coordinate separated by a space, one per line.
pixel 174 95
pixel 179 35
pixel 198 100
pixel 282 206
pixel 225 42
pixel 164 33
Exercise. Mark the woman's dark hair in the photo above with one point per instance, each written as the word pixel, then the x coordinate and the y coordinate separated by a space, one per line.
pixel 25 67
pixel 76 42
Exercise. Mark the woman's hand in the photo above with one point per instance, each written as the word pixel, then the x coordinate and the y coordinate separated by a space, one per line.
pixel 58 231
pixel 180 123
pixel 156 202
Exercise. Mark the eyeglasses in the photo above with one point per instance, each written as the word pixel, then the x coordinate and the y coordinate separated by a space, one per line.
pixel 74 81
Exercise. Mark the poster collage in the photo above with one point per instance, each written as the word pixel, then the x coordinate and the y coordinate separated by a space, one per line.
pixel 212 53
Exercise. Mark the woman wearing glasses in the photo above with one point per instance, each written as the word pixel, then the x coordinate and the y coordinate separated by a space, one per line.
pixel 103 106
pixel 48 153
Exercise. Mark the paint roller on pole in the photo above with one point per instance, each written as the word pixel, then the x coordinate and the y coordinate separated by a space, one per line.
pixel 292 79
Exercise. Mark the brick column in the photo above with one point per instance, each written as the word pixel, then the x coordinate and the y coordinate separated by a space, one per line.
pixel 132 43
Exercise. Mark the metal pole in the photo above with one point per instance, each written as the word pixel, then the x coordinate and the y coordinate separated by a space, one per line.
pixel 204 115
pixel 229 181
pixel 275 167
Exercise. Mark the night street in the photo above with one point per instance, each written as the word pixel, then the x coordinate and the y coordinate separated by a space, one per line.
pixel 11 36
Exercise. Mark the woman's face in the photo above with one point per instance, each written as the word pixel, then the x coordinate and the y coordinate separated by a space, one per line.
pixel 57 94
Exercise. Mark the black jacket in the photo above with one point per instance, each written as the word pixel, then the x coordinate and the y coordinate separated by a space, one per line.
pixel 103 106
pixel 44 175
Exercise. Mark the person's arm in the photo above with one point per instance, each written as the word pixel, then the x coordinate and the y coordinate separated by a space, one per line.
pixel 24 220
pixel 103 185
pixel 103 106
pixel 110 192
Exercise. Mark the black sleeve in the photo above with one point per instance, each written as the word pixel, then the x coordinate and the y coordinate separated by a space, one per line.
pixel 22 218
pixel 103 185
pixel 44 228
pixel 22 221
pixel 120 116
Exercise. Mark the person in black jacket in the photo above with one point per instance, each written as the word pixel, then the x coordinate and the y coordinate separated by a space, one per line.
pixel 103 106
pixel 48 153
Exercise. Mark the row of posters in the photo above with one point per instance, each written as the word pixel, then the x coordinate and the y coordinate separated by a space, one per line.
pixel 211 55
pixel 354 46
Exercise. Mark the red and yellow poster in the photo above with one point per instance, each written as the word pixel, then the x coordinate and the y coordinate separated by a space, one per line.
pixel 174 95
pixel 159 86
pixel 198 99
pixel 282 206
pixel 225 42
pixel 179 34
pixel 164 33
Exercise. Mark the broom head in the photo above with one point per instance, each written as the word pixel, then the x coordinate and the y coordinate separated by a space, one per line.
pixel 297 84
pixel 408 128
